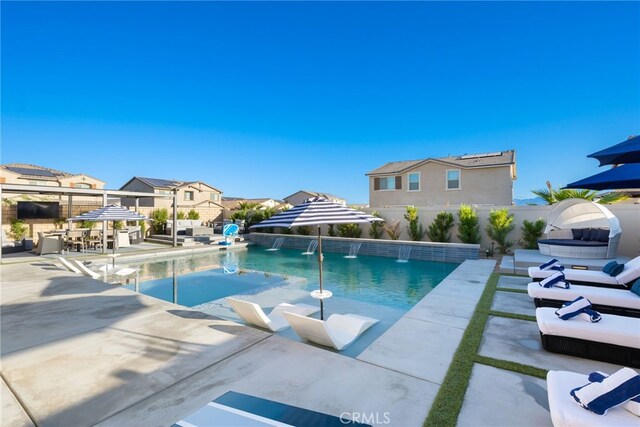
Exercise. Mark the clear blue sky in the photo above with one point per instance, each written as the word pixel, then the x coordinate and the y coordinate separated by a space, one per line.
pixel 263 99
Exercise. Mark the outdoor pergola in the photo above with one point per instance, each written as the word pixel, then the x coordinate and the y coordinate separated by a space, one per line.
pixel 105 194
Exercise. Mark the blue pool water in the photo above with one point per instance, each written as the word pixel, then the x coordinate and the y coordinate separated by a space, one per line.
pixel 198 279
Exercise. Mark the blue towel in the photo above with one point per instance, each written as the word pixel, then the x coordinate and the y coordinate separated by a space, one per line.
pixel 632 405
pixel 573 308
pixel 556 279
pixel 552 264
pixel 591 315
pixel 612 391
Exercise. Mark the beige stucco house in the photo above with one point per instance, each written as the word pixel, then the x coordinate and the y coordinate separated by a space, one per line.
pixel 28 174
pixel 198 195
pixel 481 179
pixel 232 203
pixel 302 195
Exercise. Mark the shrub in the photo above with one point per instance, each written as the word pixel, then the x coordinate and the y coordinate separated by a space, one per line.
pixel 18 229
pixel 86 224
pixel 439 229
pixel 181 215
pixel 500 225
pixel 193 214
pixel 285 230
pixel 332 230
pixel 393 230
pixel 159 218
pixel 59 222
pixel 118 225
pixel 143 229
pixel 416 233
pixel 349 230
pixel 238 215
pixel 531 232
pixel 469 227
pixel 304 230
pixel 377 227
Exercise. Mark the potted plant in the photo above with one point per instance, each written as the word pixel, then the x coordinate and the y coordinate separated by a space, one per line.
pixel 18 232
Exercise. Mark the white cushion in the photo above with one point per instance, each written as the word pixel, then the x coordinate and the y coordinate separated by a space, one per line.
pixel 590 276
pixel 567 413
pixel 600 296
pixel 612 329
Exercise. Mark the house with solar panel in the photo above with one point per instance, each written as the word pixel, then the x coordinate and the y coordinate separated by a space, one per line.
pixel 28 174
pixel 198 195
pixel 302 195
pixel 477 179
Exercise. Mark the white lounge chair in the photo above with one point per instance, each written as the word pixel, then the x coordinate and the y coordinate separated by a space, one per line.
pixel 69 266
pixel 605 300
pixel 338 331
pixel 630 273
pixel 253 314
pixel 565 412
pixel 614 339
pixel 95 275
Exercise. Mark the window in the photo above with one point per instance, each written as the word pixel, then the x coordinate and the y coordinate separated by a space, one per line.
pixel 414 181
pixel 387 183
pixel 81 185
pixel 38 183
pixel 453 180
pixel 215 197
pixel 188 195
pixel 163 192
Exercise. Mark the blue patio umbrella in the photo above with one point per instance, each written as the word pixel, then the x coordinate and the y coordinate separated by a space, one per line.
pixel 624 152
pixel 618 178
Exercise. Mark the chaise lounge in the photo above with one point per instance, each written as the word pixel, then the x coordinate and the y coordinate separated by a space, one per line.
pixel 629 274
pixel 253 314
pixel 614 339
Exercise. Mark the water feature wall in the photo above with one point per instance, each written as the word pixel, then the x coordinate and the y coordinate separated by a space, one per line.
pixel 425 251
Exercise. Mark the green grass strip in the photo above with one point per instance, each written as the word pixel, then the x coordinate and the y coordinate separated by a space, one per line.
pixel 515 291
pixel 446 407
pixel 513 315
pixel 512 366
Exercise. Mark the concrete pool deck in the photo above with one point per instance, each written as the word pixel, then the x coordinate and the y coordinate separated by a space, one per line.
pixel 76 351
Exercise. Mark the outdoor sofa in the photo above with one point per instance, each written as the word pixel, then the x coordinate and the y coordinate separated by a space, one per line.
pixel 580 243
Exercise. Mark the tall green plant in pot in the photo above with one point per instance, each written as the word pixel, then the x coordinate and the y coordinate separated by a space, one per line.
pixel 159 218
pixel 438 230
pixel 332 230
pixel 349 230
pixel 500 225
pixel 18 230
pixel 415 230
pixel 377 227
pixel 531 233
pixel 468 225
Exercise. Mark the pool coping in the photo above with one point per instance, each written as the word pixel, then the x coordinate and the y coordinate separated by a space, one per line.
pixel 373 380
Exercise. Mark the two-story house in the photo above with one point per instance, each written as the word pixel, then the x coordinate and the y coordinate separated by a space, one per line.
pixel 198 195
pixel 301 196
pixel 28 174
pixel 483 179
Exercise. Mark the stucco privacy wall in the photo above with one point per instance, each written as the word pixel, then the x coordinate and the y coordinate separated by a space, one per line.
pixel 627 214
pixel 425 251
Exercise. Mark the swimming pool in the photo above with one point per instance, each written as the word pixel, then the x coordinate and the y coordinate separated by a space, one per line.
pixel 198 279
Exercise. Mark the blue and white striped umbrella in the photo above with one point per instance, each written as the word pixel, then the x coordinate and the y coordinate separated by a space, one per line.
pixel 317 211
pixel 109 213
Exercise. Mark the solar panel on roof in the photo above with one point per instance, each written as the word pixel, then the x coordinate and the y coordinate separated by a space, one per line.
pixel 30 171
pixel 161 182
pixel 480 156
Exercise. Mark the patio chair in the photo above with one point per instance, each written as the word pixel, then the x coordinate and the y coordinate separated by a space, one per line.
pixel 565 412
pixel 338 331
pixel 630 273
pixel 604 300
pixel 48 244
pixel 253 314
pixel 76 240
pixel 614 339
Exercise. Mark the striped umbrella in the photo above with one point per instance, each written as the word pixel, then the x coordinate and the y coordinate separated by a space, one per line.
pixel 109 213
pixel 317 211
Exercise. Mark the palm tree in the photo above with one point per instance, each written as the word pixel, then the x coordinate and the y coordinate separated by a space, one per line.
pixel 551 195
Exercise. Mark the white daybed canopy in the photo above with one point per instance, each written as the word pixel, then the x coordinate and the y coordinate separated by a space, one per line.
pixel 580 213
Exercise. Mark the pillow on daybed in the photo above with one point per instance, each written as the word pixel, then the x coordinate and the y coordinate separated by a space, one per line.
pixel 603 235
pixel 586 234
pixel 577 233
pixel 635 288
pixel 608 268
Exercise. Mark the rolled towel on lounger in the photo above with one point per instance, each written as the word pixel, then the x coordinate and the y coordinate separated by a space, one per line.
pixel 589 315
pixel 632 405
pixel 552 264
pixel 555 280
pixel 614 390
pixel 573 308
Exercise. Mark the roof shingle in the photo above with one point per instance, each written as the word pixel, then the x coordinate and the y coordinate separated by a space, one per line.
pixel 465 161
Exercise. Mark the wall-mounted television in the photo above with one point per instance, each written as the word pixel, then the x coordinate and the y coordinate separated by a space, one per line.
pixel 38 210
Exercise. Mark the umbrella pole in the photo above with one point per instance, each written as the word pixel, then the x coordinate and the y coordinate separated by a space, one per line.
pixel 320 272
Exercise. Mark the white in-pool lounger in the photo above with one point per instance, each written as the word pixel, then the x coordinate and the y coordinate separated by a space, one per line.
pixel 630 273
pixel 338 331
pixel 95 275
pixel 565 412
pixel 605 300
pixel 253 314
pixel 68 265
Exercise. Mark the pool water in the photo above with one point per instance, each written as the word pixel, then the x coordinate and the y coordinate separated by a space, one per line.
pixel 198 279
